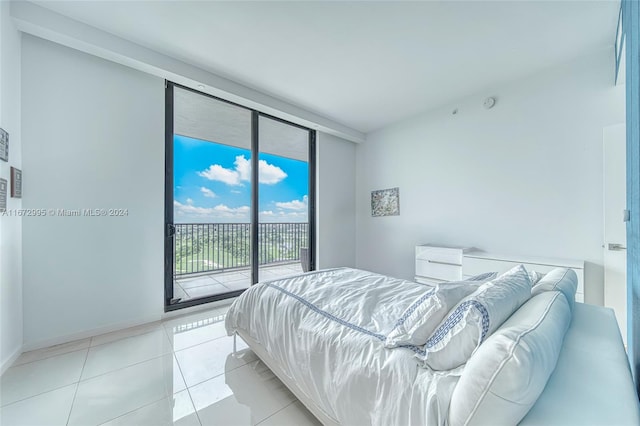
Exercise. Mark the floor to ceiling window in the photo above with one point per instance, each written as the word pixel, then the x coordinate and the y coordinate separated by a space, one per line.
pixel 238 198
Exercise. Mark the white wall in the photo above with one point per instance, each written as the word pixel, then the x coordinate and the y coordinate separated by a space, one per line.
pixel 10 226
pixel 522 178
pixel 336 206
pixel 93 137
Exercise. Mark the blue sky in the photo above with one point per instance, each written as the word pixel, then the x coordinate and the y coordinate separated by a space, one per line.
pixel 212 184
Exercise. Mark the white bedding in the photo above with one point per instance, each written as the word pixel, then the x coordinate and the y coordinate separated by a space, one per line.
pixel 327 330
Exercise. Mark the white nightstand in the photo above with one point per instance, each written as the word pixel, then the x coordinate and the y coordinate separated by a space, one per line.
pixel 436 264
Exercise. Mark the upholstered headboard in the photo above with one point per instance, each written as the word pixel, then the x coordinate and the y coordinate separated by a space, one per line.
pixel 476 262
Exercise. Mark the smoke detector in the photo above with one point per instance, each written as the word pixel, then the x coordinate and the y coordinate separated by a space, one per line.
pixel 489 102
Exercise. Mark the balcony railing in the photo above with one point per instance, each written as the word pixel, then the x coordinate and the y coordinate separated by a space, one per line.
pixel 209 247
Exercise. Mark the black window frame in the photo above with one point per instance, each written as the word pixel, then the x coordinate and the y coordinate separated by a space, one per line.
pixel 169 261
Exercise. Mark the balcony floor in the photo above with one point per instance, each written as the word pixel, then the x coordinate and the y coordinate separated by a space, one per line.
pixel 202 285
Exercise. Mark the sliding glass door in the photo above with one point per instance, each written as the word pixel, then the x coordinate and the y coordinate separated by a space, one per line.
pixel 283 218
pixel 238 198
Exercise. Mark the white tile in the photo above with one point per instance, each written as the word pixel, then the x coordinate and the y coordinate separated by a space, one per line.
pixel 295 414
pixel 179 293
pixel 226 412
pixel 197 319
pixel 285 271
pixel 267 275
pixel 185 336
pixel 125 352
pixel 124 333
pixel 50 408
pixel 278 270
pixel 238 285
pixel 178 379
pixel 196 282
pixel 63 348
pixel 231 276
pixel 113 394
pixel 210 359
pixel 36 377
pixel 207 290
pixel 175 410
pixel 246 395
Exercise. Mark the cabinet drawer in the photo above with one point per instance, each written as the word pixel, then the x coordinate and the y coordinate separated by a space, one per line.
pixel 438 270
pixel 439 254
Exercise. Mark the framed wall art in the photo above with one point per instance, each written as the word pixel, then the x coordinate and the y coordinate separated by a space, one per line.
pixel 4 145
pixel 385 202
pixel 16 183
pixel 3 195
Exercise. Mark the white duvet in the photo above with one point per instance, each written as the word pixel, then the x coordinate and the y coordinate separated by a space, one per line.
pixel 327 329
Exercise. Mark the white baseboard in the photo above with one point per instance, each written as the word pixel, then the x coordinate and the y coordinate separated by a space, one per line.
pixel 31 346
pixel 9 361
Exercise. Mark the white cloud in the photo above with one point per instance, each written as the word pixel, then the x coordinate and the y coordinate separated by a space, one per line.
pixel 218 173
pixel 207 192
pixel 270 174
pixel 267 173
pixel 296 205
pixel 232 211
pixel 219 213
pixel 188 213
pixel 269 216
pixel 189 201
pixel 243 168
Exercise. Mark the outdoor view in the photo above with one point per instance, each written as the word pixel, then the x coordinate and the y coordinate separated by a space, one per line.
pixel 212 199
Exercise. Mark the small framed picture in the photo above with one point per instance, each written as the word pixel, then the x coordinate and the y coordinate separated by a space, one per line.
pixel 385 202
pixel 4 145
pixel 16 183
pixel 3 195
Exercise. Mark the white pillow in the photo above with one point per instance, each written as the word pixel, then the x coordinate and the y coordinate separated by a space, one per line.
pixel 485 276
pixel 419 320
pixel 509 371
pixel 535 276
pixel 474 318
pixel 561 279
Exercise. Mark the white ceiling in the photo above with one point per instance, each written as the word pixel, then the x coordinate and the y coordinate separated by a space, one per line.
pixel 362 64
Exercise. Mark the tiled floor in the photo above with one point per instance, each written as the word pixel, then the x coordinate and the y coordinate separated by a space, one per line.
pixel 223 282
pixel 182 371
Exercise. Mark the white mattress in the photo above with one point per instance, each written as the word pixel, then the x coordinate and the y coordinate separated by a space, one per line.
pixel 592 382
pixel 326 329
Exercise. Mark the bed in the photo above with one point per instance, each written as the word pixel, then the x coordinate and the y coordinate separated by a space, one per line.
pixel 326 335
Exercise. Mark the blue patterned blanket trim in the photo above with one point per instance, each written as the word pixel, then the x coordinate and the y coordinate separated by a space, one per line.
pixel 414 348
pixel 340 321
pixel 451 321
pixel 456 317
pixel 325 313
pixel 413 307
pixel 480 277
